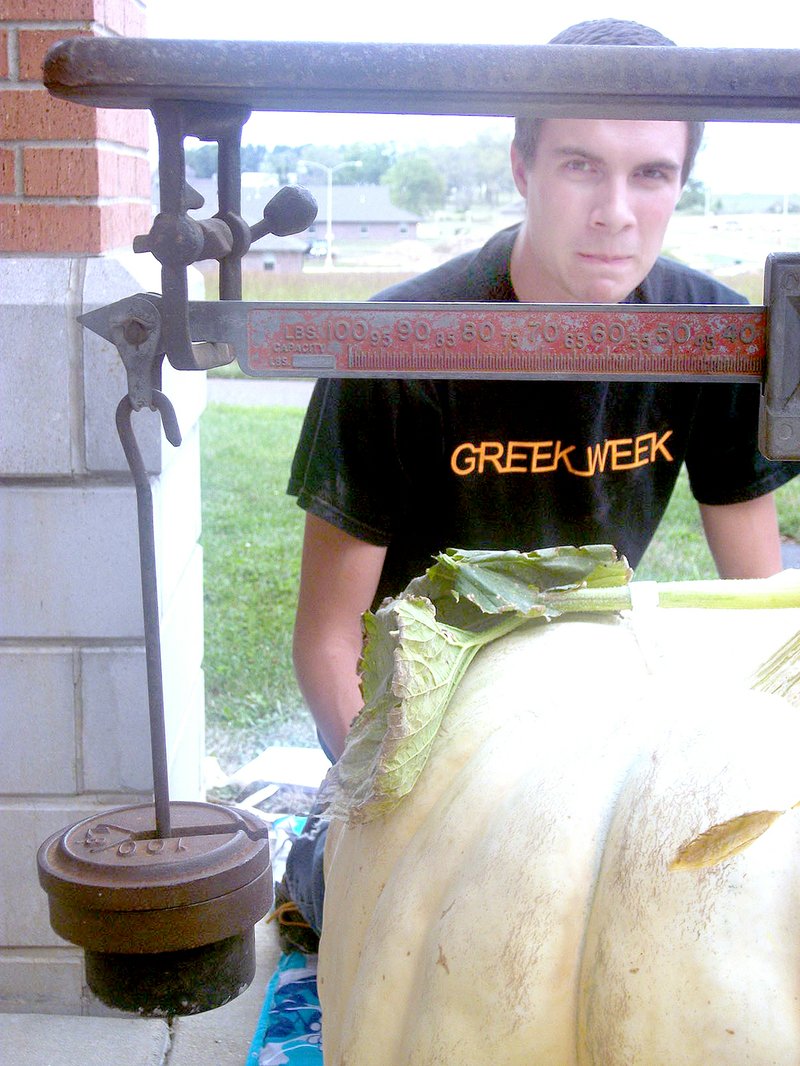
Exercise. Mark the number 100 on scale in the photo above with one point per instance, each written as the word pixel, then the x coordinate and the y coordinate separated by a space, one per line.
pixel 276 337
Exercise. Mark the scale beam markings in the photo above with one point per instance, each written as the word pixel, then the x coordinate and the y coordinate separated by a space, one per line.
pixel 678 343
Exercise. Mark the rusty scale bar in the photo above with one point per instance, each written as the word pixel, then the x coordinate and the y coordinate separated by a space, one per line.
pixel 674 343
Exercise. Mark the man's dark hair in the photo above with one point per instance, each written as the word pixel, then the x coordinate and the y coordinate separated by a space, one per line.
pixel 604 31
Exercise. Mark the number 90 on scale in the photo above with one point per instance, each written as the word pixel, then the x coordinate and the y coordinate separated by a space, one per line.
pixel 520 330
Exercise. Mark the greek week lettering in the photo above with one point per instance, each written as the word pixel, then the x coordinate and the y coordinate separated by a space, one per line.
pixel 545 456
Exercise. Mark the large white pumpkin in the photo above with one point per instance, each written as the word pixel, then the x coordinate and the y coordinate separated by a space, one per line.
pixel 516 909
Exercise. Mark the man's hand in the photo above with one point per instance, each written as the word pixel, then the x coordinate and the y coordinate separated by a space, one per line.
pixel 743 537
pixel 338 580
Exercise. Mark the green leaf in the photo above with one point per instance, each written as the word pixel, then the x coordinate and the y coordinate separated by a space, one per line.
pixel 497 582
pixel 412 664
pixel 419 645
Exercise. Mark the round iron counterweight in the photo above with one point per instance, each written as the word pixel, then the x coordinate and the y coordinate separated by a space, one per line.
pixel 166 923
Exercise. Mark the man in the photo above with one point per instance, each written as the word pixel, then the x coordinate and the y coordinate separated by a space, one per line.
pixel 392 472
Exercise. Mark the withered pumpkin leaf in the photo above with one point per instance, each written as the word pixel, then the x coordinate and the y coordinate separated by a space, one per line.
pixel 723 841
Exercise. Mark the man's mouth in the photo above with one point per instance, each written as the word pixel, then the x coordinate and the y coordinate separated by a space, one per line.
pixel 605 260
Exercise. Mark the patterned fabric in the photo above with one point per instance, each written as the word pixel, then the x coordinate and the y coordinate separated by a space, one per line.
pixel 289 1032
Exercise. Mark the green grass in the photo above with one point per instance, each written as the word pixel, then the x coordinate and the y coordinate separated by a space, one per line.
pixel 789 510
pixel 322 286
pixel 679 551
pixel 750 284
pixel 252 534
pixel 334 285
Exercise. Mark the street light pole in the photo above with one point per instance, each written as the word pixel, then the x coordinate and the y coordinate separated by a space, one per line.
pixel 329 172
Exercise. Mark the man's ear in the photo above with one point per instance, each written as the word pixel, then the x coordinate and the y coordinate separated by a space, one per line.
pixel 519 170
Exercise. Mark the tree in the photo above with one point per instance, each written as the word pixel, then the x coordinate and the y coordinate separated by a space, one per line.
pixel 486 160
pixel 693 198
pixel 253 157
pixel 203 160
pixel 415 184
pixel 376 159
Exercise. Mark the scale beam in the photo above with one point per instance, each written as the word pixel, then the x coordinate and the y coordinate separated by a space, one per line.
pixel 622 342
pixel 525 341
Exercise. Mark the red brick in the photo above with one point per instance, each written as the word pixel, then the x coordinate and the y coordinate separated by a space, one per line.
pixel 45 228
pixel 120 223
pixel 35 115
pixel 124 17
pixel 3 54
pixel 119 16
pixel 60 172
pixel 84 172
pixel 71 228
pixel 7 185
pixel 53 10
pixel 34 46
pixel 124 175
pixel 123 127
pixel 135 21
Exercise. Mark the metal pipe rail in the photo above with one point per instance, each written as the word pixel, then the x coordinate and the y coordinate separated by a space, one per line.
pixel 614 81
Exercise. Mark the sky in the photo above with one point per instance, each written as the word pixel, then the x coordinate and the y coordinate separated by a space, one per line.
pixel 736 157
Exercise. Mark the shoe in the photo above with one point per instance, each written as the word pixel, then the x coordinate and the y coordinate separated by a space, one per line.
pixel 294 932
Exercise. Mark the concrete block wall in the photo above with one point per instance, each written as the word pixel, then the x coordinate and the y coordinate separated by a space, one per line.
pixel 74 737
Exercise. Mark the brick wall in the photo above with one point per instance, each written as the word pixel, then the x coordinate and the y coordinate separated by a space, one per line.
pixel 74 737
pixel 73 179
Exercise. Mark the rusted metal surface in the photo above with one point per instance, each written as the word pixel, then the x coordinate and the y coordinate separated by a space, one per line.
pixel 546 342
pixel 117 860
pixel 622 343
pixel 613 81
pixel 174 982
pixel 177 240
pixel 166 924
pixel 114 884
pixel 149 584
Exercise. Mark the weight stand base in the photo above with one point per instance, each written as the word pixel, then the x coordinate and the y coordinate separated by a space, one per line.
pixel 172 983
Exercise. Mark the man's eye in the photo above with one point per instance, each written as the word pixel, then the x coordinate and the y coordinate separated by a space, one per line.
pixel 654 173
pixel 578 166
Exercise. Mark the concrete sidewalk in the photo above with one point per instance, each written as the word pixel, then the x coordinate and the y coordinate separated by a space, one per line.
pixel 220 1037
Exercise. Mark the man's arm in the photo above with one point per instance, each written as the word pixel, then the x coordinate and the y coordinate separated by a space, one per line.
pixel 338 580
pixel 743 537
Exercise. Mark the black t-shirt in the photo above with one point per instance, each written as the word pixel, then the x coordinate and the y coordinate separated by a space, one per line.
pixel 423 465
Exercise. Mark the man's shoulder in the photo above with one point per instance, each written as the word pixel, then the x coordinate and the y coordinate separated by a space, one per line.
pixel 671 282
pixel 481 274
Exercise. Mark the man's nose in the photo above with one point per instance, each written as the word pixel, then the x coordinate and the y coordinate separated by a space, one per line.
pixel 613 208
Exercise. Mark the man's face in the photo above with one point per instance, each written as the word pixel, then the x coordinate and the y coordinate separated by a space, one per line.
pixel 598 197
